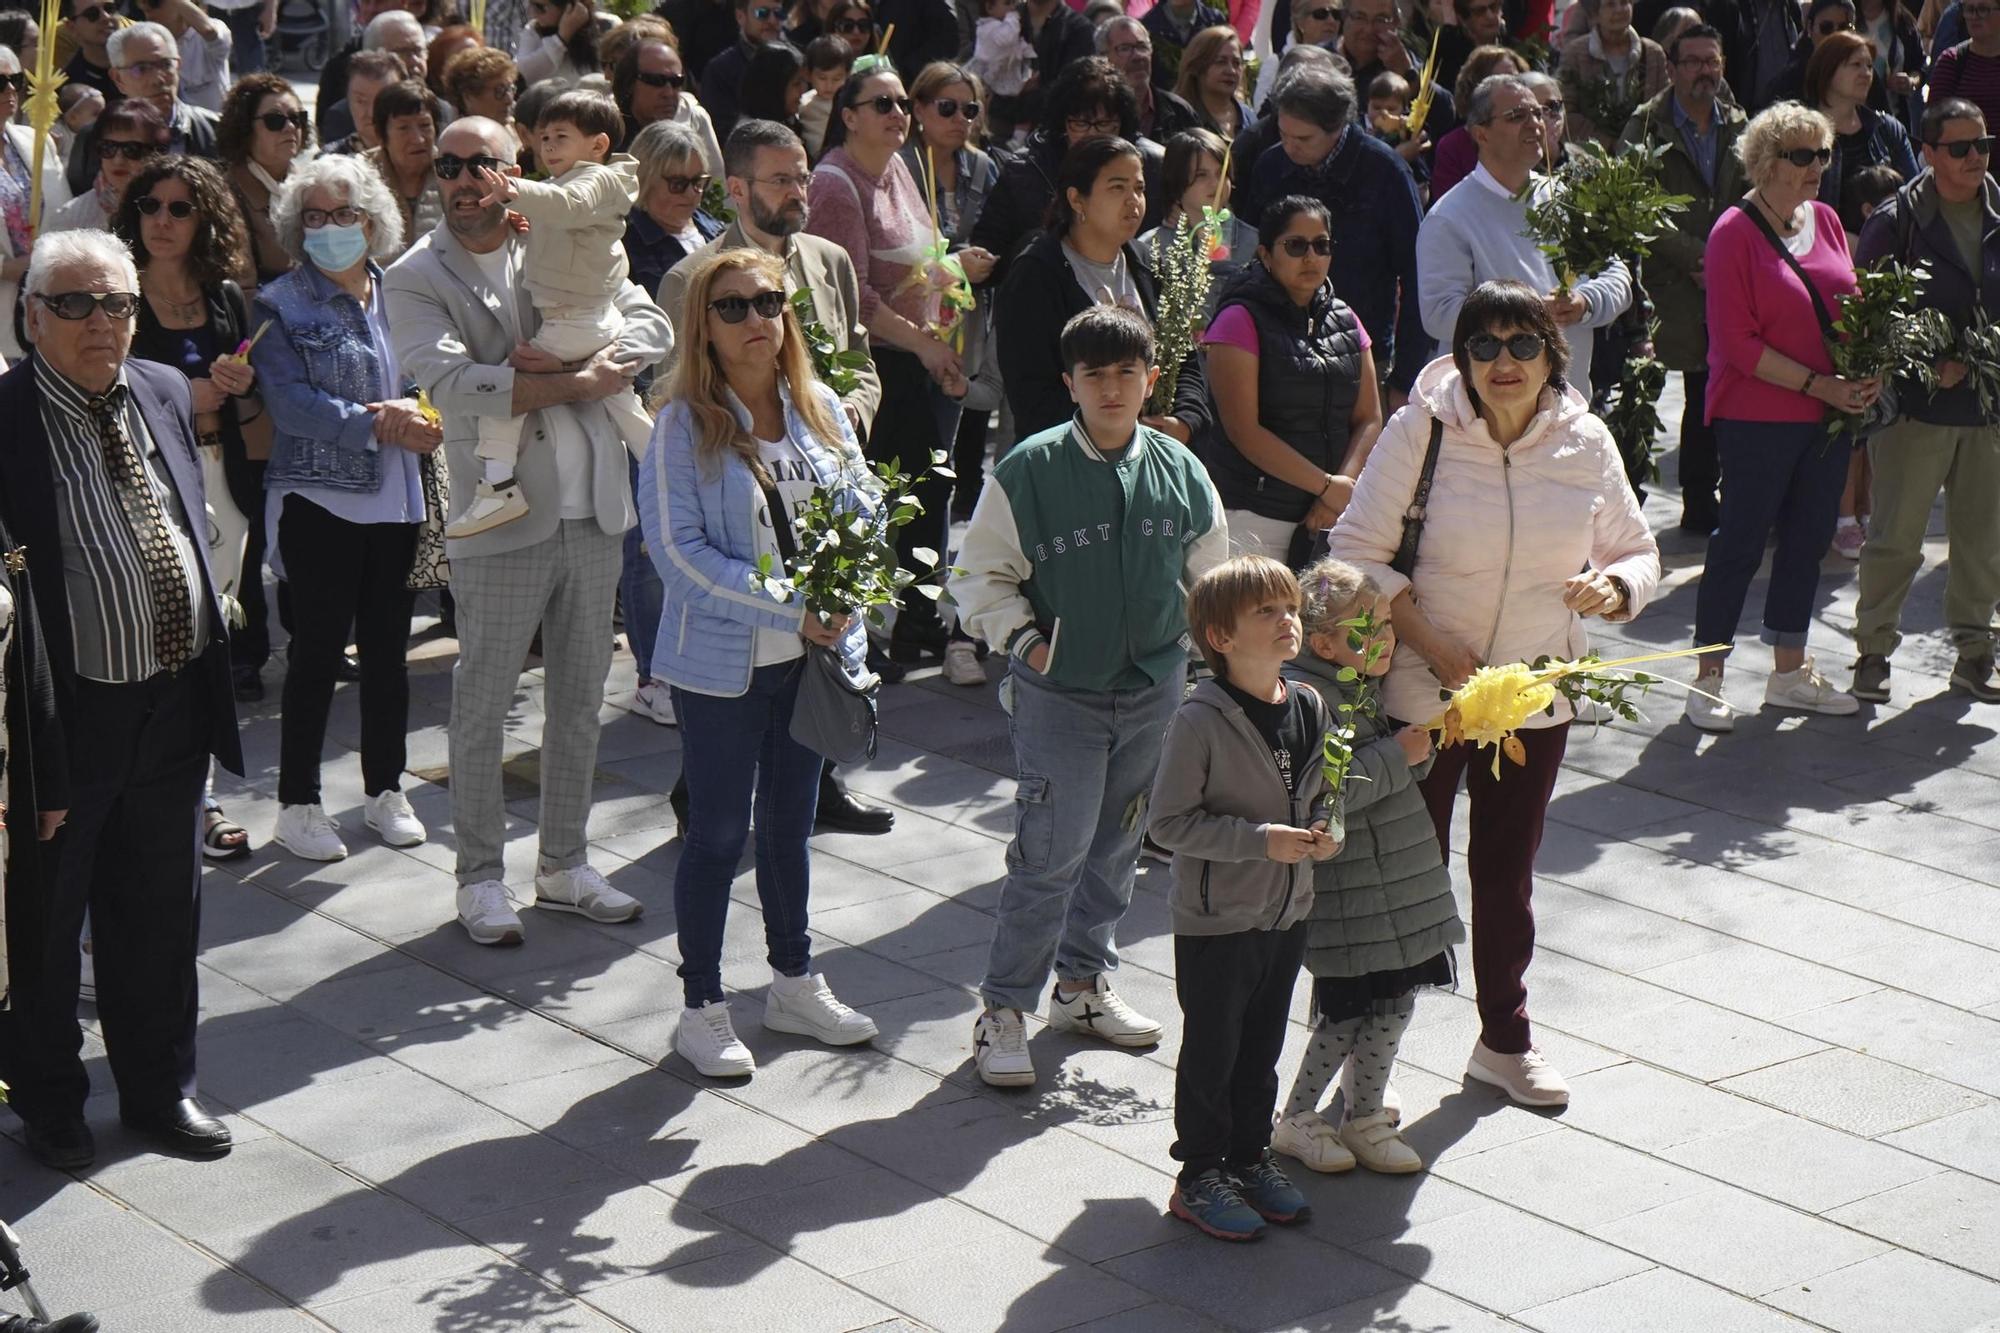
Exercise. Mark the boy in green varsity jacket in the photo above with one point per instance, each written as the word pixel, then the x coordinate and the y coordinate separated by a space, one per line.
pixel 1077 565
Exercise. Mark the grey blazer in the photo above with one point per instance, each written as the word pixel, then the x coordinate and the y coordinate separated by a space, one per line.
pixel 451 337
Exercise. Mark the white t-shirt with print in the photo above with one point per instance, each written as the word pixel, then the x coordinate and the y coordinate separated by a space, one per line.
pixel 792 477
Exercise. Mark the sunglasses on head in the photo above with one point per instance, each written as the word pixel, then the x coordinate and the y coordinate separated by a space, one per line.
pixel 448 165
pixel 682 184
pixel 276 121
pixel 951 106
pixel 1483 347
pixel 179 209
pixel 884 104
pixel 131 152
pixel 735 309
pixel 1983 146
pixel 1805 157
pixel 78 305
pixel 1298 247
pixel 661 80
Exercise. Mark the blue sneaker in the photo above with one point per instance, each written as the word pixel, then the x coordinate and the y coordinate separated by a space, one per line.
pixel 1268 1190
pixel 1211 1202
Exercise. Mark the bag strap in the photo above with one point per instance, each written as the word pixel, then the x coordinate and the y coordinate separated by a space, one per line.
pixel 1405 561
pixel 781 526
pixel 1777 243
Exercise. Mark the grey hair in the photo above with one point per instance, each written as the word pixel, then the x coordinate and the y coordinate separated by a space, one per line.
pixel 124 37
pixel 69 249
pixel 353 177
pixel 1539 83
pixel 375 36
pixel 1323 96
pixel 8 52
pixel 1304 55
pixel 661 145
pixel 1479 107
pixel 1107 31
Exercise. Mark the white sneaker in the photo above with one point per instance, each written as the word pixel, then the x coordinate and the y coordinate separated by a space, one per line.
pixel 308 832
pixel 1000 1048
pixel 390 815
pixel 1309 1138
pixel 1098 1012
pixel 1376 1145
pixel 582 890
pixel 805 1006
pixel 962 665
pixel 491 506
pixel 655 700
pixel 1343 1097
pixel 1526 1077
pixel 1808 691
pixel 1706 713
pixel 707 1040
pixel 488 914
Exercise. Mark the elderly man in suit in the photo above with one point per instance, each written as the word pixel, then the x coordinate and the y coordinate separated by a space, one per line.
pixel 101 487
pixel 460 321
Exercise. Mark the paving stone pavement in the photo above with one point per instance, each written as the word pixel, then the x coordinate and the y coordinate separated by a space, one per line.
pixel 1770 963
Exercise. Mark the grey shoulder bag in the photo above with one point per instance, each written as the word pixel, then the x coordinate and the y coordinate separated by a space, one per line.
pixel 835 714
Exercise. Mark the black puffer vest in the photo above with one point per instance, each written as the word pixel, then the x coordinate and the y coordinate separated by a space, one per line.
pixel 1308 377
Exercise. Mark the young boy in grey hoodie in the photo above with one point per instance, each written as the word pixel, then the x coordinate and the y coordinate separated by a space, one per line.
pixel 1241 802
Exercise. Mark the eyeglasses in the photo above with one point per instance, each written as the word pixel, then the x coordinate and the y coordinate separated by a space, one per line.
pixel 95 14
pixel 1126 50
pixel 850 27
pixel 884 104
pixel 1805 157
pixel 734 309
pixel 178 209
pixel 148 68
pixel 1828 27
pixel 275 121
pixel 1092 125
pixel 682 184
pixel 1521 115
pixel 788 184
pixel 1552 111
pixel 18 81
pixel 107 149
pixel 448 165
pixel 1979 11
pixel 951 106
pixel 1298 247
pixel 1480 11
pixel 78 305
pixel 1324 14
pixel 315 218
pixel 1484 347
pixel 661 80
pixel 1983 146
pixel 765 13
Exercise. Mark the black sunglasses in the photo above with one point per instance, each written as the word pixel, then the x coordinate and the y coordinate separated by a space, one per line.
pixel 1983 146
pixel 95 14
pixel 734 309
pixel 131 152
pixel 1805 157
pixel 951 106
pixel 1485 347
pixel 661 80
pixel 78 305
pixel 275 121
pixel 1324 13
pixel 1829 27
pixel 448 165
pixel 848 27
pixel 682 184
pixel 1298 247
pixel 176 208
pixel 884 104
pixel 18 81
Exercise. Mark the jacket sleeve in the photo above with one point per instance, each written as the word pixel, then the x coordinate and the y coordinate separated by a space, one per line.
pixel 537 57
pixel 833 212
pixel 1371 527
pixel 34 686
pixel 986 586
pixel 1211 548
pixel 1380 770
pixel 297 406
pixel 595 196
pixel 867 396
pixel 1733 330
pixel 1605 295
pixel 431 352
pixel 647 336
pixel 1413 339
pixel 1621 541
pixel 1177 819
pixel 1030 364
pixel 1880 233
pixel 1191 402
pixel 1444 274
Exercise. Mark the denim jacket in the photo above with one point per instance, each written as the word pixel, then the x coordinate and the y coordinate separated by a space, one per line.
pixel 318 369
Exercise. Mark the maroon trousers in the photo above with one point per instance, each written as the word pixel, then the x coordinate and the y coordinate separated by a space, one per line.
pixel 1506 832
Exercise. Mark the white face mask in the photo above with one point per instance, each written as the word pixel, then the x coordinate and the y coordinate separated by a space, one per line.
pixel 335 249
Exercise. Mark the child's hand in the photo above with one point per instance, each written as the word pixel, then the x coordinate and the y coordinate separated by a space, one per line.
pixel 499 189
pixel 1325 846
pixel 1416 742
pixel 1289 845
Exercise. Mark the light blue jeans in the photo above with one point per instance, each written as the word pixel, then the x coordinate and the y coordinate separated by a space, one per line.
pixel 640 594
pixel 1086 760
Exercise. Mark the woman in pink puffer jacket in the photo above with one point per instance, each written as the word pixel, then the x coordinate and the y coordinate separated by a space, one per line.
pixel 1531 528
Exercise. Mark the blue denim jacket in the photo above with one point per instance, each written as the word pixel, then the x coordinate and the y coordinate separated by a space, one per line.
pixel 318 371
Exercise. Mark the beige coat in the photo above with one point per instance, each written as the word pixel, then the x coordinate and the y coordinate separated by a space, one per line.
pixel 576 245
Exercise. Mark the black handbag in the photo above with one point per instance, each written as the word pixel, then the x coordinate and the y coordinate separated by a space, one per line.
pixel 1404 562
pixel 837 711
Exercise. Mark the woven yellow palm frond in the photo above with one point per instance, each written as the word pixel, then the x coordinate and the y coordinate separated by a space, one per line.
pixel 42 107
pixel 1420 105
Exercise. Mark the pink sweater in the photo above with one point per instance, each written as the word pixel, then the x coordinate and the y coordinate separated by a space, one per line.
pixel 1756 301
pixel 883 223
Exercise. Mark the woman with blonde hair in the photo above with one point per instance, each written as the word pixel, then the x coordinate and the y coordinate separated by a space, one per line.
pixel 1211 81
pixel 747 437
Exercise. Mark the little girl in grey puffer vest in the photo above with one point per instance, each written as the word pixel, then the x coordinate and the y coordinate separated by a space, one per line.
pixel 1382 921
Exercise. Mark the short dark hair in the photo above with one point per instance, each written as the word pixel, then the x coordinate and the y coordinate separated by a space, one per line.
pixel 1087 85
pixel 1279 216
pixel 1106 335
pixel 1389 84
pixel 1184 153
pixel 140 119
pixel 1507 304
pixel 1323 96
pixel 1700 32
pixel 828 52
pixel 739 155
pixel 849 94
pixel 590 113
pixel 1079 171
pixel 1870 186
pixel 1945 110
pixel 408 98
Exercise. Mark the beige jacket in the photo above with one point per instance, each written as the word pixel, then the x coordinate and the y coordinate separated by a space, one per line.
pixel 576 250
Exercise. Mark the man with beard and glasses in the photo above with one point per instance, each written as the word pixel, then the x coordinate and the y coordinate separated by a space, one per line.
pixel 767 178
pixel 461 323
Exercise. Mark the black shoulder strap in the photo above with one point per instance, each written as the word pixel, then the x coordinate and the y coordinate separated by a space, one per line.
pixel 781 526
pixel 1778 244
pixel 1405 560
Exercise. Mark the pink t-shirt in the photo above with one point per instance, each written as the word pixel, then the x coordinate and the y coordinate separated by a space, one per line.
pixel 1234 327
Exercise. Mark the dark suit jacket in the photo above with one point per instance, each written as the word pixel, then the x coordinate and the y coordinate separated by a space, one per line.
pixel 28 511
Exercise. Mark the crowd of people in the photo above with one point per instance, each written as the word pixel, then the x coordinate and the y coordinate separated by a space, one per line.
pixel 565 321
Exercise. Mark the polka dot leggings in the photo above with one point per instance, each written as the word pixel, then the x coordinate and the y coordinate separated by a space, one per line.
pixel 1366 1045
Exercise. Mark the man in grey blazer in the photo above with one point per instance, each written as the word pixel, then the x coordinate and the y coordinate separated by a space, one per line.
pixel 461 321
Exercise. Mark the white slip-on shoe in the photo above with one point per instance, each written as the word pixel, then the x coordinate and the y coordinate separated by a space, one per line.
pixel 308 832
pixel 805 1006
pixel 1376 1145
pixel 491 506
pixel 1808 691
pixel 1527 1078
pixel 707 1040
pixel 488 914
pixel 1309 1138
pixel 1708 711
pixel 655 700
pixel 962 665
pixel 1098 1012
pixel 582 890
pixel 390 815
pixel 1000 1048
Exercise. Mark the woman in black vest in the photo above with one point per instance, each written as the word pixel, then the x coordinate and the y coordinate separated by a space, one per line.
pixel 1295 390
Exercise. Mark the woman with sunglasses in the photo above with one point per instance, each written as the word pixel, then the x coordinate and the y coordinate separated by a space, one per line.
pixel 1528 490
pixel 346 478
pixel 128 134
pixel 747 435
pixel 1211 81
pixel 1295 390
pixel 853 24
pixel 263 131
pixel 481 81
pixel 1770 383
pixel 407 116
pixel 1608 73
pixel 17 229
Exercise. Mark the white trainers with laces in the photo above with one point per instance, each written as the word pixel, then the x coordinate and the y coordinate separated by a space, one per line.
pixel 308 832
pixel 390 815
pixel 1710 713
pixel 805 1006
pixel 580 889
pixel 1376 1144
pixel 707 1040
pixel 488 914
pixel 655 700
pixel 1098 1012
pixel 1808 691
pixel 1308 1137
pixel 1000 1048
pixel 491 506
pixel 1527 1078
pixel 962 665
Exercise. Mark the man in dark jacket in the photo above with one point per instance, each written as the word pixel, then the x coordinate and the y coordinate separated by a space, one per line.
pixel 757 22
pixel 1948 218
pixel 1759 38
pixel 145 63
pixel 1173 24
pixel 1129 47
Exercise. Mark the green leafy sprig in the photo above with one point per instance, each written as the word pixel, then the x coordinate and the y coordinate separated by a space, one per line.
pixel 1604 207
pixel 1604 688
pixel 1884 330
pixel 1634 415
pixel 1337 754
pixel 1182 273
pixel 1609 102
pixel 837 369
pixel 715 198
pixel 1979 351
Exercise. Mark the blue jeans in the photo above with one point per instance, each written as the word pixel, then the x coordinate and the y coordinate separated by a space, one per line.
pixel 1086 760
pixel 739 749
pixel 1781 475
pixel 640 592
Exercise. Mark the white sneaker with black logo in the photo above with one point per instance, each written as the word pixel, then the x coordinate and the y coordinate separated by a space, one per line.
pixel 1000 1049
pixel 1098 1012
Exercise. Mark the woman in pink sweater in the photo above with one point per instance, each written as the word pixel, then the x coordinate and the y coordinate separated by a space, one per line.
pixel 1770 382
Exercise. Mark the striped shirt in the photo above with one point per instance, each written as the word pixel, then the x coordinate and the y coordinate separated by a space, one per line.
pixel 111 611
pixel 1963 72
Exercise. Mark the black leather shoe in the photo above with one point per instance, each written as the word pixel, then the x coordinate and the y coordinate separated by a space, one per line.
pixel 183 1127
pixel 74 1323
pixel 66 1145
pixel 347 669
pixel 840 812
